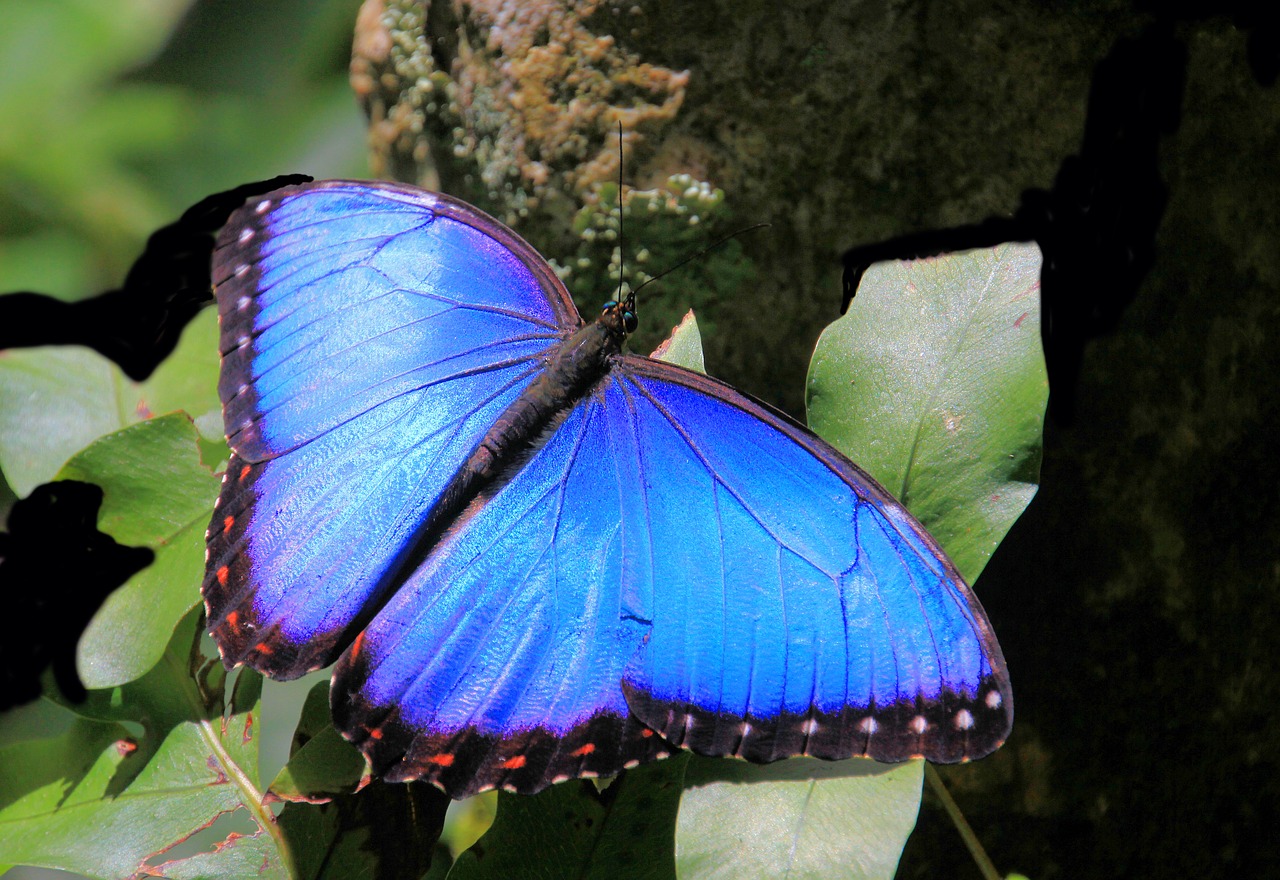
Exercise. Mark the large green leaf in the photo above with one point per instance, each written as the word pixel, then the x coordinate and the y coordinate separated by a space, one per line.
pixel 797 818
pixel 108 802
pixel 156 492
pixel 934 382
pixel 153 482
pixel 55 401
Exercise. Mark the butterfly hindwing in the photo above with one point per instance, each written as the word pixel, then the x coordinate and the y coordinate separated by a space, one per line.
pixel 498 663
pixel 371 334
pixel 680 556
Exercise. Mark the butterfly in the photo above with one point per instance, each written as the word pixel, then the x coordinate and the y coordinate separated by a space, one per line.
pixel 533 555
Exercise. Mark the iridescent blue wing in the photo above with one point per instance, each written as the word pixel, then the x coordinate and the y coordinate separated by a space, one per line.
pixel 677 558
pixel 499 662
pixel 370 335
pixel 810 613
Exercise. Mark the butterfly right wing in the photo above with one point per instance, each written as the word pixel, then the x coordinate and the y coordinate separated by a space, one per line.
pixel 370 335
pixel 677 565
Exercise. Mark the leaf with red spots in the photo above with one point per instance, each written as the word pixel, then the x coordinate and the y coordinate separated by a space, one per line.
pixel 104 801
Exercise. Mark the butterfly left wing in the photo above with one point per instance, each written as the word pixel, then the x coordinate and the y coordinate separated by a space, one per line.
pixel 371 333
pixel 675 559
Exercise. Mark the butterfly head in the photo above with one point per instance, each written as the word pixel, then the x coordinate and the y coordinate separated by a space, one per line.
pixel 620 317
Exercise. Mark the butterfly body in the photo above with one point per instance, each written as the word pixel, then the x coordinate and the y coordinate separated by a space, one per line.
pixel 536 556
pixel 571 368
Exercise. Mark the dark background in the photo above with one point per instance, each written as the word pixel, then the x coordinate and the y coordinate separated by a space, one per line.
pixel 1136 600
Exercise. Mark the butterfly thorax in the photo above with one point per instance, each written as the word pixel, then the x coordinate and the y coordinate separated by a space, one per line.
pixel 570 369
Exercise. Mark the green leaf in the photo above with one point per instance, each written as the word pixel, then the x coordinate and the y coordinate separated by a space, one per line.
pixel 573 830
pixel 59 401
pixel 188 378
pixel 385 830
pixel 128 634
pixel 322 765
pixel 156 492
pixel 153 482
pixel 934 383
pixel 684 346
pixel 389 830
pixel 55 401
pixel 105 802
pixel 796 818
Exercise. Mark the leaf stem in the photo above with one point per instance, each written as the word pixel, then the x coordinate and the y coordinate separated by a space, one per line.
pixel 250 795
pixel 980 857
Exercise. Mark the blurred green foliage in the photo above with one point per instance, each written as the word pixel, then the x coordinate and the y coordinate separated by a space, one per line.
pixel 117 116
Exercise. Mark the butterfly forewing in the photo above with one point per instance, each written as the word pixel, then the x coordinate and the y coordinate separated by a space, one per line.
pixel 370 334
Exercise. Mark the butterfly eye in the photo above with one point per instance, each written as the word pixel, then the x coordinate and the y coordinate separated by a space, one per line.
pixel 629 319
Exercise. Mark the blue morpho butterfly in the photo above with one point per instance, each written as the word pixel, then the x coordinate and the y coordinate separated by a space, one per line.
pixel 533 555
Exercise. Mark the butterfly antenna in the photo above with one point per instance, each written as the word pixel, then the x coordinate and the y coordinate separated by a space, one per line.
pixel 706 250
pixel 622 250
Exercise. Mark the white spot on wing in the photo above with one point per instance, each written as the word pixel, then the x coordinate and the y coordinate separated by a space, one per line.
pixel 262 207
pixel 810 727
pixel 918 725
pixel 994 699
pixel 868 725
pixel 245 235
pixel 964 720
pixel 242 269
